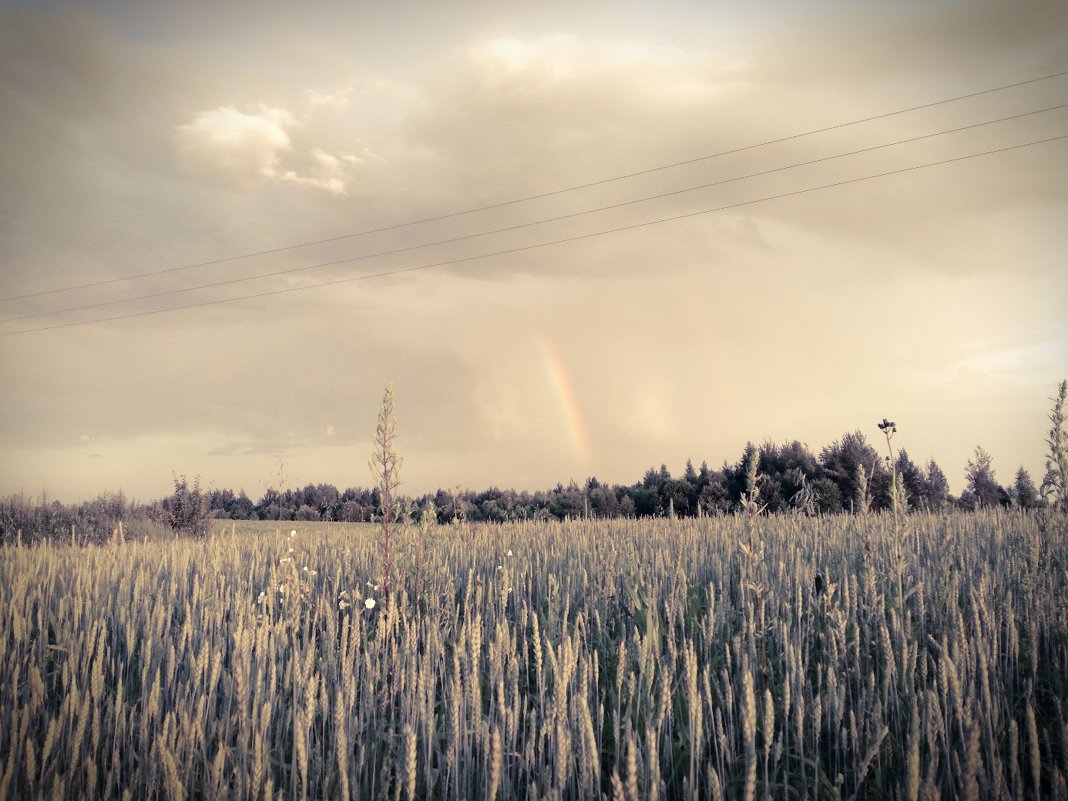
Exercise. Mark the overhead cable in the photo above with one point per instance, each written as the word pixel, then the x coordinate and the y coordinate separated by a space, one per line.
pixel 539 245
pixel 517 226
pixel 527 198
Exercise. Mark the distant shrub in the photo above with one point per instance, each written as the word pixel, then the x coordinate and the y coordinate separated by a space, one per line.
pixel 29 521
pixel 306 513
pixel 188 510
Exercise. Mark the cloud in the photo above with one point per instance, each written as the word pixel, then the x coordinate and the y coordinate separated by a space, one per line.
pixel 564 63
pixel 238 143
pixel 251 147
pixel 337 100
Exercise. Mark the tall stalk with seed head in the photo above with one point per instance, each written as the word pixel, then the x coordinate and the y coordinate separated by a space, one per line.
pixel 898 503
pixel 751 505
pixel 1054 487
pixel 385 466
pixel 749 733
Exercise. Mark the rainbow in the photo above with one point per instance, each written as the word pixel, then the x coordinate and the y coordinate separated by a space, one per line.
pixel 566 401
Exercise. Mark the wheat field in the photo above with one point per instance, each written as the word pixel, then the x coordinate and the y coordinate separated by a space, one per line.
pixel 727 658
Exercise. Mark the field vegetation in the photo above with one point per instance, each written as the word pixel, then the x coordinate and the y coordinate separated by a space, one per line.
pixel 767 657
pixel 895 654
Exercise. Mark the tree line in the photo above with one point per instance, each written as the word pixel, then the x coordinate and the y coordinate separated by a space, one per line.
pixel 847 476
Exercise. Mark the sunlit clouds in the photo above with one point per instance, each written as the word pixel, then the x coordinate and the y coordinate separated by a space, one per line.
pixel 247 145
pixel 245 148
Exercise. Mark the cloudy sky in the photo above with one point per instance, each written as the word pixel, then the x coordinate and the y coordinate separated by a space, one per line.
pixel 211 158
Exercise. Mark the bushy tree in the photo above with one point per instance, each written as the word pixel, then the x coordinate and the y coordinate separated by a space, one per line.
pixel 567 502
pixel 713 499
pixel 188 509
pixel 307 513
pixel 603 500
pixel 787 471
pixel 678 495
pixel 981 482
pixel 851 463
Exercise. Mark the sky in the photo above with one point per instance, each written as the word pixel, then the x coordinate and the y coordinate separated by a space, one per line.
pixel 476 203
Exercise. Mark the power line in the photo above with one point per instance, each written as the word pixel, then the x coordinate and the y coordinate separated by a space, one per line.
pixel 527 198
pixel 524 248
pixel 519 226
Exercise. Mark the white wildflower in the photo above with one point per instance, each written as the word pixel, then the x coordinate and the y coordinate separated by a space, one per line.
pixel 510 552
pixel 369 603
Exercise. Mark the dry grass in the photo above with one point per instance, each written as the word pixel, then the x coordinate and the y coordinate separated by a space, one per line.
pixel 615 659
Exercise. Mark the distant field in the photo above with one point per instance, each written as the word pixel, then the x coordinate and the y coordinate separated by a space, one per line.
pixel 716 658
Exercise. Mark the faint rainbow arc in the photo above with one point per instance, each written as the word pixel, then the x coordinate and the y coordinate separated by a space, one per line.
pixel 568 404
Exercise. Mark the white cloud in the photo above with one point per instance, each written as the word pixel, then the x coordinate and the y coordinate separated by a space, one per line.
pixel 236 142
pixel 250 147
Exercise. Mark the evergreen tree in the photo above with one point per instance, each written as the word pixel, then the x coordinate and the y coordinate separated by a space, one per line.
pixel 690 474
pixel 1024 493
pixel 936 488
